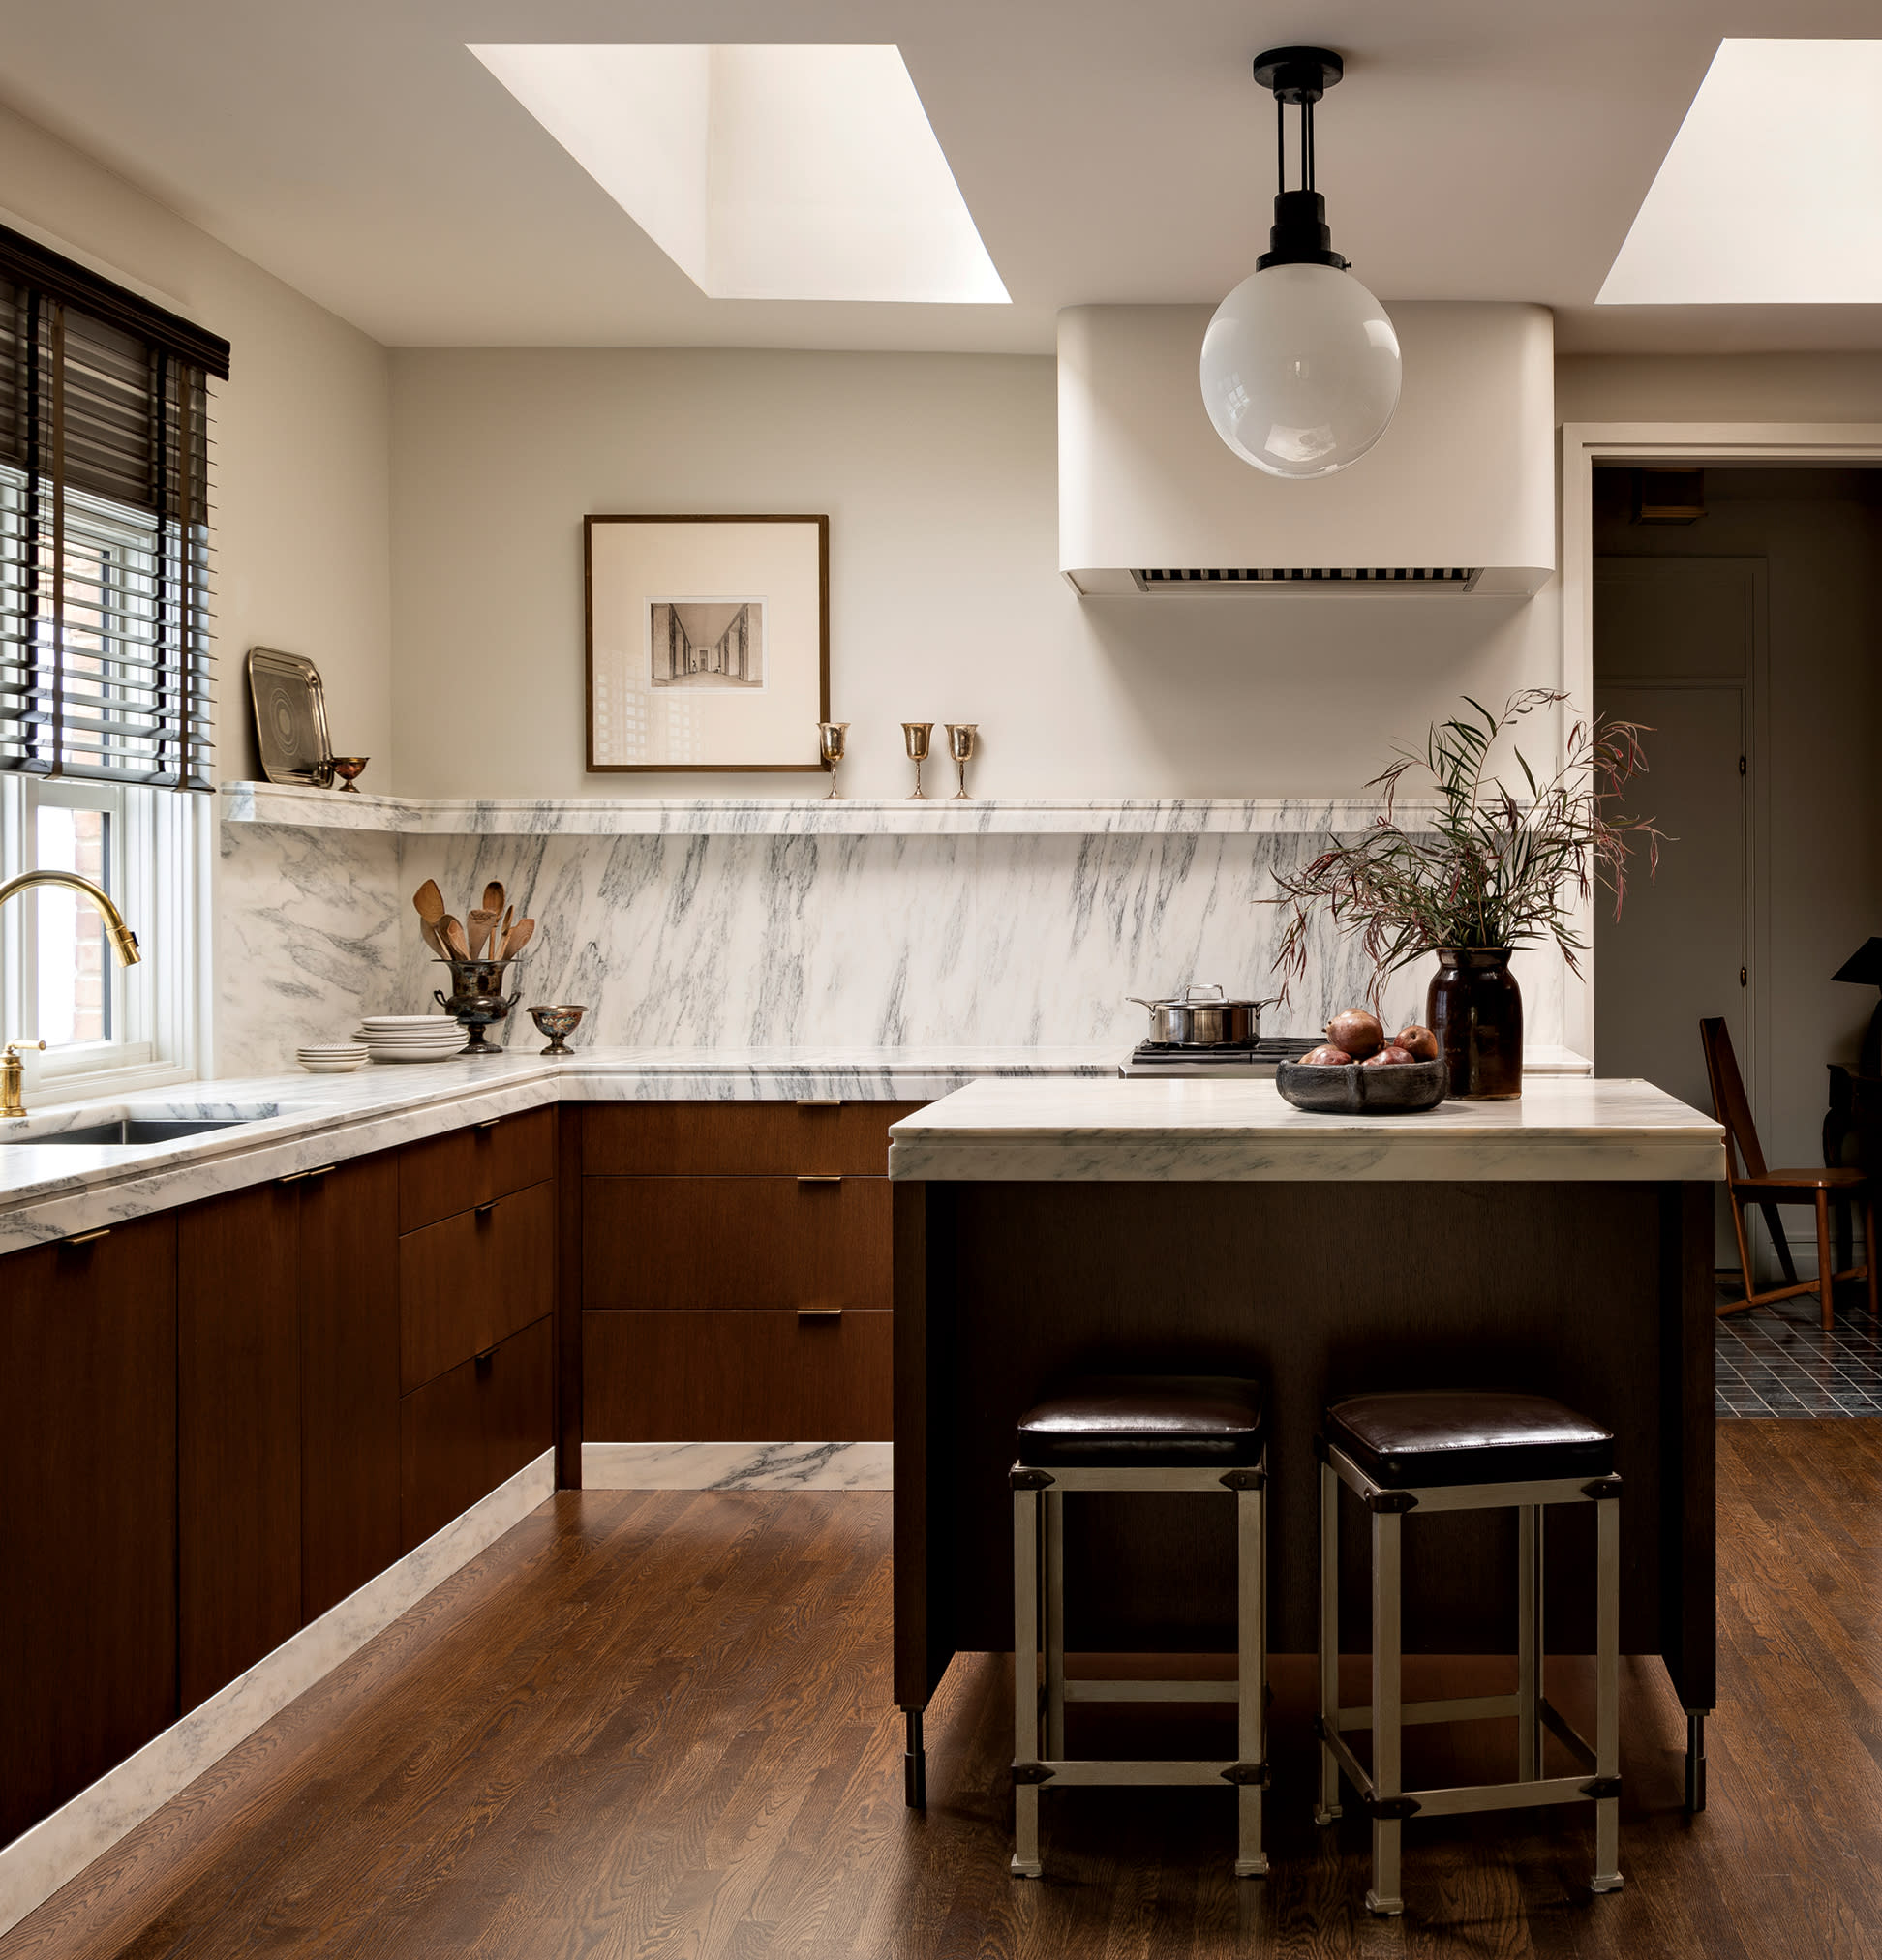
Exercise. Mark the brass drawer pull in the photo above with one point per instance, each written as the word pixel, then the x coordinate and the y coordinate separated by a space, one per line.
pixel 820 1103
pixel 820 1177
pixel 488 1208
pixel 482 1363
pixel 296 1176
pixel 89 1238
pixel 823 1313
pixel 489 1123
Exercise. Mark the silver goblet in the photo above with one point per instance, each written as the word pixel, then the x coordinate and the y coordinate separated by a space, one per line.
pixel 833 739
pixel 915 735
pixel 961 745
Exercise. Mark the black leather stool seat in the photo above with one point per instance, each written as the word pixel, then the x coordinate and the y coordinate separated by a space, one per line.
pixel 1120 1421
pixel 1444 1436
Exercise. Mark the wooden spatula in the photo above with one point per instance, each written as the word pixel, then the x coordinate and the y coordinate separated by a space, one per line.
pixel 452 934
pixel 429 902
pixel 518 937
pixel 484 928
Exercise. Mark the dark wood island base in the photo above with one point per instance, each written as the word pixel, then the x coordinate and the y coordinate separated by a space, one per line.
pixel 1598 1293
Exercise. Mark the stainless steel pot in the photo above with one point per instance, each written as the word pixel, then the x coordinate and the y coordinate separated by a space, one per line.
pixel 1203 1017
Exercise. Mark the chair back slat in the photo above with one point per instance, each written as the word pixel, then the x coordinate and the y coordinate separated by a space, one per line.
pixel 1730 1104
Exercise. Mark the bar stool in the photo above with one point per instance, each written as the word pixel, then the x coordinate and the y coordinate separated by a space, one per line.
pixel 1467 1452
pixel 1146 1433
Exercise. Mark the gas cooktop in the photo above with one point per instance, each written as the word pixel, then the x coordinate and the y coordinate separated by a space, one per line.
pixel 1252 1062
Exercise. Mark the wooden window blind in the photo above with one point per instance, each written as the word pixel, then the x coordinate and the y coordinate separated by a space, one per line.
pixel 104 529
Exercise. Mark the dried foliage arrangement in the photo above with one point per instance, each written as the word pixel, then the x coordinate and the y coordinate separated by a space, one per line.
pixel 1492 868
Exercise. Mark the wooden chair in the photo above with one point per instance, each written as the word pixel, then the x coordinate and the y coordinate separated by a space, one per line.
pixel 1756 1184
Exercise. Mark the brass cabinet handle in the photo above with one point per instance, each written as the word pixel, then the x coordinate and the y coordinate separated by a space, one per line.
pixel 487 1208
pixel 820 1103
pixel 489 1123
pixel 820 1177
pixel 482 1362
pixel 804 1313
pixel 89 1238
pixel 295 1176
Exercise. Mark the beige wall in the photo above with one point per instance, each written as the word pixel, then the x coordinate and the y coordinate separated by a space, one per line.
pixel 1720 389
pixel 939 474
pixel 301 441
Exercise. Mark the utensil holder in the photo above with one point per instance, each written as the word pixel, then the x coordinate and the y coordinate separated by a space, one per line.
pixel 476 1000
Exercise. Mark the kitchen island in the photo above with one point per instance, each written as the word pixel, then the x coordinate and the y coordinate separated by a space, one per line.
pixel 1559 1242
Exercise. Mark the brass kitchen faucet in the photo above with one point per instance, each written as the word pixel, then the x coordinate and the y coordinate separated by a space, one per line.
pixel 124 943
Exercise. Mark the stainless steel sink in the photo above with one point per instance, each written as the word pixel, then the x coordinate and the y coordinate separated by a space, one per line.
pixel 140 1130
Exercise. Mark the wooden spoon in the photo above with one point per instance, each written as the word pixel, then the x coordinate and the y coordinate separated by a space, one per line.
pixel 453 936
pixel 493 895
pixel 483 927
pixel 518 937
pixel 429 902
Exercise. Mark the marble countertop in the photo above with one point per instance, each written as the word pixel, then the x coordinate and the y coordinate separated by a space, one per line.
pixel 299 1121
pixel 1580 1127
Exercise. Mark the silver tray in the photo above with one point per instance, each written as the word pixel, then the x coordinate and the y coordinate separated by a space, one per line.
pixel 290 723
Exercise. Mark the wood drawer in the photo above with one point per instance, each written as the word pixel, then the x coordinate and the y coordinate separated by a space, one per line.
pixel 471 1281
pixel 735 1242
pixel 742 1376
pixel 462 1435
pixel 738 1139
pixel 470 1166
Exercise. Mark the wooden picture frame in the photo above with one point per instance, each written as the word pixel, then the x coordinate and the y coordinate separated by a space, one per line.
pixel 707 645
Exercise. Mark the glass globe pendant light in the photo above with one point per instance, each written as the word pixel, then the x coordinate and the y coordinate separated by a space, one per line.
pixel 1300 364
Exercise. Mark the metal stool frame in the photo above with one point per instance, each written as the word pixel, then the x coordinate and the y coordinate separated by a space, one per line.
pixel 1039 1707
pixel 1383 1791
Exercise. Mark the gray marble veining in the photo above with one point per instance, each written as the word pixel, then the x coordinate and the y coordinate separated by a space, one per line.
pixel 1560 1128
pixel 296 1122
pixel 707 934
pixel 738 1466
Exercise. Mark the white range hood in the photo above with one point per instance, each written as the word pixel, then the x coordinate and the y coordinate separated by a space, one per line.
pixel 1458 496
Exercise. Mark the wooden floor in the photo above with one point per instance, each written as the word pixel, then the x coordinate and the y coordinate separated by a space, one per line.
pixel 653 1725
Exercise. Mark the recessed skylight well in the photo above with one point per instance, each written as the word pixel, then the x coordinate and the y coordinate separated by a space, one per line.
pixel 764 171
pixel 1771 193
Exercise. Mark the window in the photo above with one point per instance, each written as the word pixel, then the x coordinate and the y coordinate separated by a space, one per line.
pixel 105 697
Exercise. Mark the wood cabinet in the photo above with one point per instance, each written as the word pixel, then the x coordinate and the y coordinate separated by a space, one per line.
pixel 736 1276
pixel 88 1528
pixel 349 1377
pixel 239 1409
pixel 469 1429
pixel 466 1283
pixel 452 1173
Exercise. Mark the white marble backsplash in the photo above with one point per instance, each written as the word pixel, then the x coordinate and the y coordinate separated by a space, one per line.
pixel 727 940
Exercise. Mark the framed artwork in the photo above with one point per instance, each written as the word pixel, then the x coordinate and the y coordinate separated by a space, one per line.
pixel 708 642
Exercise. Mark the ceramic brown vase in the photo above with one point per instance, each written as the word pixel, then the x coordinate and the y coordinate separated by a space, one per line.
pixel 1476 1009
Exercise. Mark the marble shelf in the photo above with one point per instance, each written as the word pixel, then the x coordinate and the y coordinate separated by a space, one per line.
pixel 292 808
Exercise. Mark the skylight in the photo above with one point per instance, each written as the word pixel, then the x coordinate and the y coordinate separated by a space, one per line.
pixel 1771 193
pixel 764 171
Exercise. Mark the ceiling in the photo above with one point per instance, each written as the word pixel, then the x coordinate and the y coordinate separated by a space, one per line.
pixel 1109 150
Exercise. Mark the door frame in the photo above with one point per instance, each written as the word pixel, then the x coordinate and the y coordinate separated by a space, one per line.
pixel 1668 445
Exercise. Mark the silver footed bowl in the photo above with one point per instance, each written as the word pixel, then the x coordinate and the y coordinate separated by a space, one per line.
pixel 556 1022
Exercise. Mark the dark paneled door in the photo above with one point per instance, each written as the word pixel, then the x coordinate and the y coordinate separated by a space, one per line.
pixel 88 1523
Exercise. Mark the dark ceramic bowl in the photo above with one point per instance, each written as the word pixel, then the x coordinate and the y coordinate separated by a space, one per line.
pixel 1398 1089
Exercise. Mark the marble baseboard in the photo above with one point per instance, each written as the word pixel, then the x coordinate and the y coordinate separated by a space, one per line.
pixel 56 1850
pixel 738 1466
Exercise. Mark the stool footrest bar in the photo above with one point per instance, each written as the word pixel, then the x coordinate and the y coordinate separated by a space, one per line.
pixel 1125 1689
pixel 1095 1771
pixel 1465 1709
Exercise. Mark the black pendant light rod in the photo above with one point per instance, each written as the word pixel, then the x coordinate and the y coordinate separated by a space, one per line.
pixel 1300 77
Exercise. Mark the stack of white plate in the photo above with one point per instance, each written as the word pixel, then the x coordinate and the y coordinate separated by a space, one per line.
pixel 410 1037
pixel 332 1058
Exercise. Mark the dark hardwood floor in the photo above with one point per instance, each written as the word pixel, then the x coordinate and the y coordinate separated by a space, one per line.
pixel 654 1725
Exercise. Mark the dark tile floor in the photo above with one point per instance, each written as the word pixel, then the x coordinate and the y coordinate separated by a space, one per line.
pixel 1776 1361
